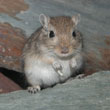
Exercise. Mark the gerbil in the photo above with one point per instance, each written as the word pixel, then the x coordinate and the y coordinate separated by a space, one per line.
pixel 53 53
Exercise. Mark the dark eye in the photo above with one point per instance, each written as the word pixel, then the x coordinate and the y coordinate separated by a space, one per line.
pixel 74 34
pixel 51 34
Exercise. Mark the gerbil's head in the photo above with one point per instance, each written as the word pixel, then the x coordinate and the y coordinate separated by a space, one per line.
pixel 61 35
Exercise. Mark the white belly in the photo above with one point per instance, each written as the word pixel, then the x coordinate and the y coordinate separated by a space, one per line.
pixel 39 73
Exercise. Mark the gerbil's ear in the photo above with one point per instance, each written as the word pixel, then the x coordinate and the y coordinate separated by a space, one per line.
pixel 76 19
pixel 44 20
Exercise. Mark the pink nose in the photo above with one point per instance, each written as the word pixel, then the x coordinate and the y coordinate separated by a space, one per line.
pixel 64 50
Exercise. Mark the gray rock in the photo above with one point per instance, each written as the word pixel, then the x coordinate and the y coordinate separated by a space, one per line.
pixel 95 15
pixel 89 93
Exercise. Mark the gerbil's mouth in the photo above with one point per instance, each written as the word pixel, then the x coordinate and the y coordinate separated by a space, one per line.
pixel 64 55
pixel 63 52
pixel 66 52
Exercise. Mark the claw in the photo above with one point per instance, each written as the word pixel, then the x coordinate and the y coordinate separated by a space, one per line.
pixel 60 73
pixel 34 89
pixel 58 68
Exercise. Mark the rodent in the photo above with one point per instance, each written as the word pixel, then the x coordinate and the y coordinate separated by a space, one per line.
pixel 53 53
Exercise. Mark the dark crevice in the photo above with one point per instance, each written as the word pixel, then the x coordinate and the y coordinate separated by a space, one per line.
pixel 18 78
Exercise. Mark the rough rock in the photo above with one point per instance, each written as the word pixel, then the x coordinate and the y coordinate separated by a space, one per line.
pixel 90 93
pixel 12 7
pixel 11 44
pixel 7 85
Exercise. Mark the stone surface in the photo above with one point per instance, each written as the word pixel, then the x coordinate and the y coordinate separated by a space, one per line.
pixel 90 93
pixel 11 44
pixel 12 7
pixel 6 85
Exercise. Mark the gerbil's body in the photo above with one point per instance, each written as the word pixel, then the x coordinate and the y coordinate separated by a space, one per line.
pixel 53 53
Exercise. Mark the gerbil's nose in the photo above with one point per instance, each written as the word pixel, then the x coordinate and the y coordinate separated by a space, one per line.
pixel 64 50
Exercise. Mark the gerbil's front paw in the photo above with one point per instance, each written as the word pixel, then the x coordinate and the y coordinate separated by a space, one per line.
pixel 58 68
pixel 34 89
pixel 73 63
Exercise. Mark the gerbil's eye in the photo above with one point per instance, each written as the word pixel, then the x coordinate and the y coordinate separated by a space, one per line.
pixel 51 34
pixel 74 34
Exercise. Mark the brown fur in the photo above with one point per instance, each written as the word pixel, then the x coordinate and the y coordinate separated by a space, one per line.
pixel 63 28
pixel 63 23
pixel 42 52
